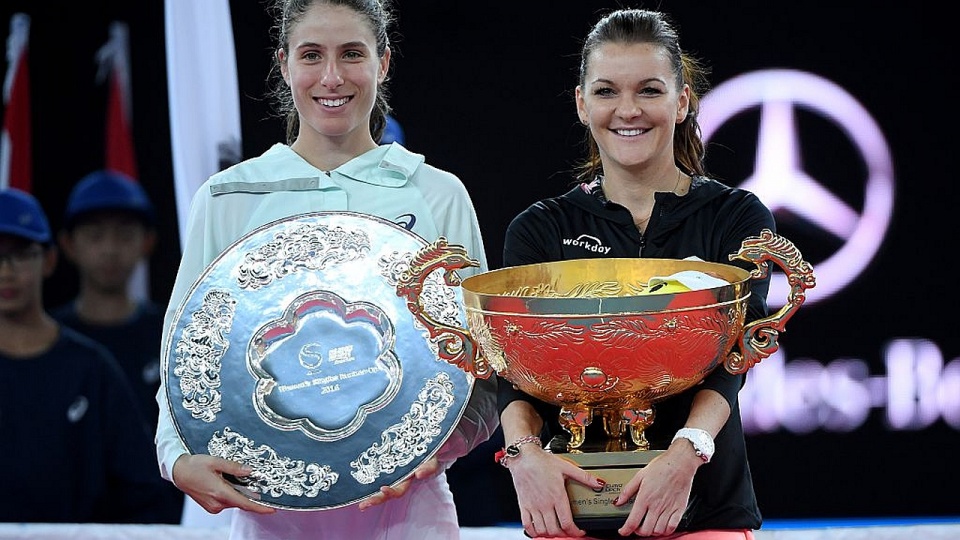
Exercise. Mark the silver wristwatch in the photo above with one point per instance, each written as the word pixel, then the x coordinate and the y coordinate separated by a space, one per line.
pixel 701 440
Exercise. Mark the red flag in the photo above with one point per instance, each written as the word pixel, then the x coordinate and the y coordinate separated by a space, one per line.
pixel 114 61
pixel 114 67
pixel 16 165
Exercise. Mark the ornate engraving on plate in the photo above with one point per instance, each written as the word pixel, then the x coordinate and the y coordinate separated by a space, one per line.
pixel 307 247
pixel 408 439
pixel 199 353
pixel 324 345
pixel 295 353
pixel 272 474
pixel 437 298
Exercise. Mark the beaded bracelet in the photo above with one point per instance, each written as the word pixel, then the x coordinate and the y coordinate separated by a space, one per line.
pixel 513 449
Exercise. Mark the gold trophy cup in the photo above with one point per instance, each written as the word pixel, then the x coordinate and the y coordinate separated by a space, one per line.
pixel 592 337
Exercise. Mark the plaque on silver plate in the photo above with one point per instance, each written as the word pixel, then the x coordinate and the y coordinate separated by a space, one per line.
pixel 295 354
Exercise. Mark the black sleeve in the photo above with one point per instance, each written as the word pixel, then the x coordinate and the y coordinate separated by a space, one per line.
pixel 744 219
pixel 136 493
pixel 532 237
pixel 529 240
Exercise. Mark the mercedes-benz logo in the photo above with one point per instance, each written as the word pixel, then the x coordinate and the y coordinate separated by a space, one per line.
pixel 781 181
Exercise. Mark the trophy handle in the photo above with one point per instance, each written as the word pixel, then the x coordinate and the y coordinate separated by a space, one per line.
pixel 759 338
pixel 455 344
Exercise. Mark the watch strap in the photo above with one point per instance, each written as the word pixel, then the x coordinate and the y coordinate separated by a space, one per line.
pixel 701 440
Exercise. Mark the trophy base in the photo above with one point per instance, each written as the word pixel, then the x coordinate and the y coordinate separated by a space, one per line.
pixel 592 511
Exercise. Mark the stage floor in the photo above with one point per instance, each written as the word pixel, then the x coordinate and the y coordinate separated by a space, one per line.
pixel 800 530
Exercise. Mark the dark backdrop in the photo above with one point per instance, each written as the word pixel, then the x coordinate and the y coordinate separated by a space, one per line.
pixel 484 89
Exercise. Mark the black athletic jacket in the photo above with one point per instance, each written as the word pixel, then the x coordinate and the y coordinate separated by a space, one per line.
pixel 710 222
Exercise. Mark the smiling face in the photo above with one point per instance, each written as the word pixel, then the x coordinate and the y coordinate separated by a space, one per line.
pixel 333 70
pixel 630 101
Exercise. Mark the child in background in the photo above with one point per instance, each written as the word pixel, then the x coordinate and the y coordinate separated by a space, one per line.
pixel 77 446
pixel 108 232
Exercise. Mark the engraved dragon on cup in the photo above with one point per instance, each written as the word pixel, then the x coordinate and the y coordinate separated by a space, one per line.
pixel 455 345
pixel 759 338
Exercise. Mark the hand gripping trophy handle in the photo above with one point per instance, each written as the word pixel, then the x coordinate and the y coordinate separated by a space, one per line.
pixel 759 338
pixel 455 345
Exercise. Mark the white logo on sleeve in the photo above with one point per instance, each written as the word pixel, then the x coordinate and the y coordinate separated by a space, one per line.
pixel 587 242
pixel 151 372
pixel 77 409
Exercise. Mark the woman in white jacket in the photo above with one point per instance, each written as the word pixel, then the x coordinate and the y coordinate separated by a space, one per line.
pixel 333 57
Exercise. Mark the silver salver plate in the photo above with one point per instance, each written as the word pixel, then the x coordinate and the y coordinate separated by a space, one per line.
pixel 293 354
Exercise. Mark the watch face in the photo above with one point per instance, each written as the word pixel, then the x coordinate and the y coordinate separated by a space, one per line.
pixel 295 355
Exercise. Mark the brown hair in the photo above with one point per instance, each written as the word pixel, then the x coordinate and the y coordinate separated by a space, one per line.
pixel 288 13
pixel 645 26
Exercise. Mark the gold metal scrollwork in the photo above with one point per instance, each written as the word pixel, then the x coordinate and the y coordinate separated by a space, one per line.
pixel 455 344
pixel 759 338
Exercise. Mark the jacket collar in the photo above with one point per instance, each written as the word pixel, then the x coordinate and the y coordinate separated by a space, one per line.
pixel 389 165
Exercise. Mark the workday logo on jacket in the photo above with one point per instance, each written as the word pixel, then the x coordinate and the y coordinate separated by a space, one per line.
pixel 587 242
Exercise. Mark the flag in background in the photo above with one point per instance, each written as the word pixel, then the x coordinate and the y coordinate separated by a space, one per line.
pixel 204 95
pixel 114 67
pixel 204 124
pixel 113 60
pixel 16 166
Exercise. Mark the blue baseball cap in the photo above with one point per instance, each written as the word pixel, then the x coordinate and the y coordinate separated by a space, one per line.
pixel 392 132
pixel 107 190
pixel 21 215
